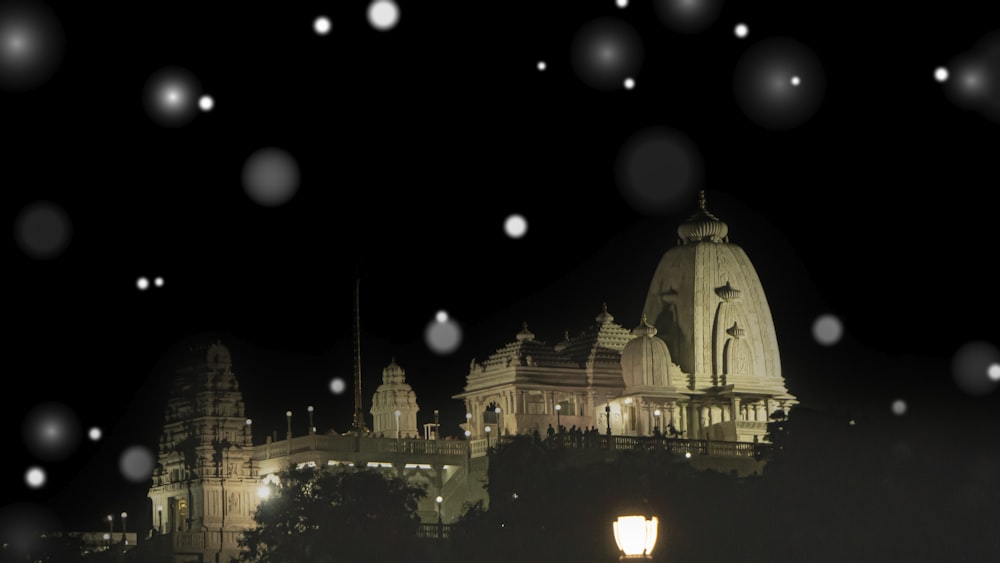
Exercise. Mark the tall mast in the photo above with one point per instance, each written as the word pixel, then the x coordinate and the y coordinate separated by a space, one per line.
pixel 359 416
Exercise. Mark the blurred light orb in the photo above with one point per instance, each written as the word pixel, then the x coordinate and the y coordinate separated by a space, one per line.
pixel 338 385
pixel 606 51
pixel 94 434
pixel 51 431
pixel 741 30
pixel 34 477
pixel 629 83
pixel 441 316
pixel 158 281
pixel 206 103
pixel 827 330
pixel 658 170
pixel 322 25
pixel 515 225
pixel 541 66
pixel 171 96
pixel 941 74
pixel 973 367
pixel 383 15
pixel 779 83
pixel 993 372
pixel 443 337
pixel 899 407
pixel 142 283
pixel 31 45
pixel 974 83
pixel 621 3
pixel 42 230
pixel 136 463
pixel 687 16
pixel 21 527
pixel 271 176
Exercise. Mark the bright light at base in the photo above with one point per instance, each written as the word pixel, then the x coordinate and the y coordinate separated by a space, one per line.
pixel 441 316
pixel 206 103
pixel 515 226
pixel 34 477
pixel 94 434
pixel 940 74
pixel 322 25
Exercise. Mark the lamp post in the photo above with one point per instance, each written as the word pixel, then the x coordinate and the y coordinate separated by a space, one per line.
pixel 288 434
pixel 635 536
pixel 487 437
pixel 437 424
pixel 439 500
pixel 312 429
pixel 397 413
pixel 124 518
pixel 499 424
pixel 159 511
pixel 111 525
pixel 607 416
pixel 558 424
pixel 468 423
pixel 107 541
pixel 656 419
pixel 247 432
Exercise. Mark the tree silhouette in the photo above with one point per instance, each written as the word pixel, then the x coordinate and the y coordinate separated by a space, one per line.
pixel 329 515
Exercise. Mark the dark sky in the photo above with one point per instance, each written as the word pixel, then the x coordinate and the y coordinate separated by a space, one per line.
pixel 415 144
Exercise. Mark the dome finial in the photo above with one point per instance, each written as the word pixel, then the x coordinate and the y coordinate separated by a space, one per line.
pixel 701 199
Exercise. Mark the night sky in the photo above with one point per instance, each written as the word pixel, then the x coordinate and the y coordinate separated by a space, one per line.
pixel 863 191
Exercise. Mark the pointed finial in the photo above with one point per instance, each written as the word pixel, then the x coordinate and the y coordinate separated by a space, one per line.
pixel 644 319
pixel 604 307
pixel 701 199
pixel 524 325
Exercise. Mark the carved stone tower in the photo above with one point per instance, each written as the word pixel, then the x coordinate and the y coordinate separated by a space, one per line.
pixel 204 485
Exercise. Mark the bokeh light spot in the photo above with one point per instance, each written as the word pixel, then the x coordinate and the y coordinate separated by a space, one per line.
pixel 741 30
pixel 516 226
pixel 383 15
pixel 42 230
pixel 899 407
pixel 541 66
pixel 51 431
pixel 271 176
pixel 606 51
pixel 21 527
pixel 94 434
pixel 443 337
pixel 993 372
pixel 31 45
pixel 827 330
pixel 779 83
pixel 322 25
pixel 941 74
pixel 657 170
pixel 136 463
pixel 158 281
pixel 171 96
pixel 206 103
pixel 338 385
pixel 441 316
pixel 971 367
pixel 142 284
pixel 629 83
pixel 687 16
pixel 34 477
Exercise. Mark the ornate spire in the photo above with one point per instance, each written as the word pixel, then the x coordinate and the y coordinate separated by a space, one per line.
pixel 605 316
pixel 644 328
pixel 703 226
pixel 525 334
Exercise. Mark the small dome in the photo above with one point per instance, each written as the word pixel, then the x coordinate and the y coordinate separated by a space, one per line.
pixel 605 316
pixel 392 373
pixel 525 334
pixel 646 359
pixel 727 292
pixel 703 226
pixel 735 331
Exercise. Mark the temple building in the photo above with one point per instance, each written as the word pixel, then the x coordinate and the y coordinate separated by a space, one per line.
pixel 701 363
pixel 699 371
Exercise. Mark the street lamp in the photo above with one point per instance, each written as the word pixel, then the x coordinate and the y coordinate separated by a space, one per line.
pixel 312 429
pixel 499 426
pixel 487 437
pixel 656 414
pixel 439 500
pixel 107 541
pixel 397 413
pixel 635 536
pixel 558 410
pixel 467 434
pixel 607 416
pixel 111 524
pixel 124 518
pixel 159 510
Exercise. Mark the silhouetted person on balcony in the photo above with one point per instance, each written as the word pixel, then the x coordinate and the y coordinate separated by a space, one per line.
pixel 550 432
